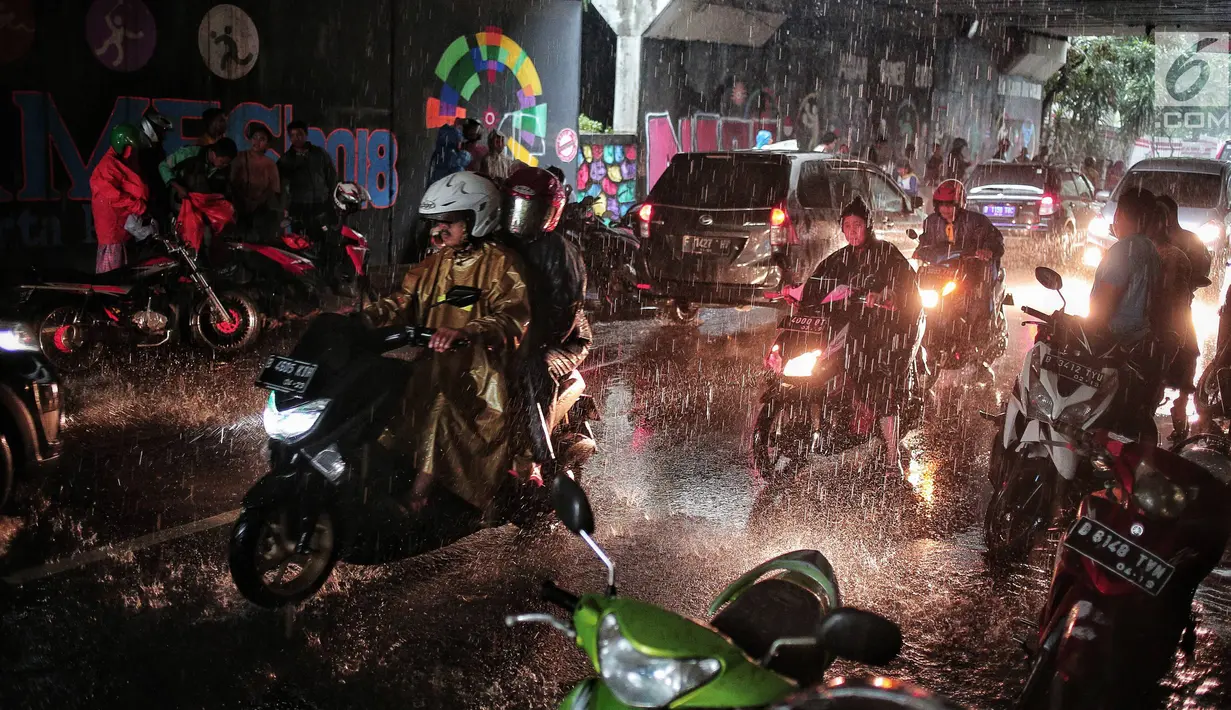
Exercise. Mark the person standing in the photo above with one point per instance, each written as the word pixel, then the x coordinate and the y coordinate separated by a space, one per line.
pixel 215 121
pixel 931 173
pixel 907 180
pixel 1091 171
pixel 472 134
pixel 956 163
pixel 256 186
pixel 497 165
pixel 1002 150
pixel 307 176
pixel 118 197
pixel 1184 368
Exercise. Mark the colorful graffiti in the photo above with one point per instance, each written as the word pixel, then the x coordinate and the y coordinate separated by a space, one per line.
pixel 477 70
pixel 609 171
pixel 701 132
pixel 363 155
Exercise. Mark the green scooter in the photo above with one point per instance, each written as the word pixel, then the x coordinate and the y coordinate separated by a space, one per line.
pixel 766 639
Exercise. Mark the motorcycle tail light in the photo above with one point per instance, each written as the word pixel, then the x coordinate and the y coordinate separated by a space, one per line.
pixel 1047 206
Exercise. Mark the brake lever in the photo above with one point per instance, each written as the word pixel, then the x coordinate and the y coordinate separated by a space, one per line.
pixel 514 619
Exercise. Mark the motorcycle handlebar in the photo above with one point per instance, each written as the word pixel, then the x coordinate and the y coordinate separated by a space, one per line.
pixel 562 598
pixel 394 337
pixel 1036 314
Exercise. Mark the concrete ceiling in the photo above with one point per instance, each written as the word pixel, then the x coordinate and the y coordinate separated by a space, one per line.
pixel 1084 17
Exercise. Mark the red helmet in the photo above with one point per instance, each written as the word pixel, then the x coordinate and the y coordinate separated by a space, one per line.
pixel 949 192
pixel 532 201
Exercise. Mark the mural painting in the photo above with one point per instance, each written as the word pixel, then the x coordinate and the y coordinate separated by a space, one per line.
pixel 609 170
pixel 701 132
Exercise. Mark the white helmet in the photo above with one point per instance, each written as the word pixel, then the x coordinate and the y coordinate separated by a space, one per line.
pixel 463 196
pixel 350 197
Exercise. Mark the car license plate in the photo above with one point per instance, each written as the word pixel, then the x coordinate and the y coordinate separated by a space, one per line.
pixel 1000 210
pixel 1112 551
pixel 803 324
pixel 707 245
pixel 1074 371
pixel 282 374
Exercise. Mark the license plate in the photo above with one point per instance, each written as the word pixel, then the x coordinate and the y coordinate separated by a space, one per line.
pixel 1000 210
pixel 803 324
pixel 282 374
pixel 1074 371
pixel 1123 558
pixel 708 245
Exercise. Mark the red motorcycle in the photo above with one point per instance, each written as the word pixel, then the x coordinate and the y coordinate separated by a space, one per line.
pixel 1126 573
pixel 339 253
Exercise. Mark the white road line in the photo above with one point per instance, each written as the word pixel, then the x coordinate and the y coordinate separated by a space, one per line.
pixel 138 543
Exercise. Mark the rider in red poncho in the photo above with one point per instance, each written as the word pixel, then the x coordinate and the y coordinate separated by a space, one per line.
pixel 117 195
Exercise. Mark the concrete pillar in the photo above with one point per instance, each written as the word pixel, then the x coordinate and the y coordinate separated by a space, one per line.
pixel 627 84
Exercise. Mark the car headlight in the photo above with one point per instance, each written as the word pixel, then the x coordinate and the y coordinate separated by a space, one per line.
pixel 1210 232
pixel 1156 495
pixel 17 337
pixel 1099 227
pixel 1092 256
pixel 643 681
pixel 802 365
pixel 294 422
pixel 929 297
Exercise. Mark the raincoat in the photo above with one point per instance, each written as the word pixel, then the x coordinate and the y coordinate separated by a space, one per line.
pixel 199 210
pixel 455 411
pixel 116 192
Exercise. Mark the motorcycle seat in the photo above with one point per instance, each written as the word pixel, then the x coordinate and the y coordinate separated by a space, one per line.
pixel 772 609
pixel 116 277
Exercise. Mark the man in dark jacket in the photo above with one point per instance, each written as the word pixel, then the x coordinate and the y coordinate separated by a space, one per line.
pixel 559 336
pixel 208 172
pixel 307 174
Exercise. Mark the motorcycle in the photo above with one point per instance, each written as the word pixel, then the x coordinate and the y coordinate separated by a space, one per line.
pixel 814 403
pixel 331 486
pixel 141 305
pixel 1068 383
pixel 766 638
pixel 947 285
pixel 339 252
pixel 612 255
pixel 1126 571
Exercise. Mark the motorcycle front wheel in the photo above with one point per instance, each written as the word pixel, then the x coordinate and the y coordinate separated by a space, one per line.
pixel 265 564
pixel 234 334
pixel 1019 508
pixel 780 442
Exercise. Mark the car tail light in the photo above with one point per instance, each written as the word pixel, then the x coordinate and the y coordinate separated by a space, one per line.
pixel 1047 206
pixel 646 212
pixel 781 230
pixel 778 217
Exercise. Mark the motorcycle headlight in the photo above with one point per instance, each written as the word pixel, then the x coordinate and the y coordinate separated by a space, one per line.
pixel 949 288
pixel 294 422
pixel 17 337
pixel 1077 414
pixel 802 365
pixel 1210 232
pixel 1039 404
pixel 643 681
pixel 929 297
pixel 1156 495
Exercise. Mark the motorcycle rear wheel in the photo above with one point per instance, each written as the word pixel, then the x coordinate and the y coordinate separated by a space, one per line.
pixel 1019 508
pixel 64 341
pixel 233 336
pixel 262 551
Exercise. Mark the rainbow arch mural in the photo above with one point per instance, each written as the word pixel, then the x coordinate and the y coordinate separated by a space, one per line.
pixel 514 95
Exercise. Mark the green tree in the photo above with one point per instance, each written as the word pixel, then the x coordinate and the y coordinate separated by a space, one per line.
pixel 1103 98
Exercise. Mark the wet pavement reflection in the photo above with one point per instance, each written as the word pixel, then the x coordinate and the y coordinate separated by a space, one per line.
pixel 155 445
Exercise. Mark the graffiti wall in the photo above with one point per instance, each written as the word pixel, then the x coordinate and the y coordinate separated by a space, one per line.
pixel 72 71
pixel 607 168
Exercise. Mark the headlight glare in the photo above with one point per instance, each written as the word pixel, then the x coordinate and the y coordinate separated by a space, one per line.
pixel 294 422
pixel 1210 232
pixel 802 365
pixel 17 337
pixel 929 297
pixel 1099 227
pixel 1092 256
pixel 642 681
pixel 949 288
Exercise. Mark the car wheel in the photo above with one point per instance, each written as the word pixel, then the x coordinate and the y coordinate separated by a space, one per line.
pixel 683 312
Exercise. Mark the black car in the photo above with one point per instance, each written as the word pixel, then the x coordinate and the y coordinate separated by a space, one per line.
pixel 723 228
pixel 1034 205
pixel 30 406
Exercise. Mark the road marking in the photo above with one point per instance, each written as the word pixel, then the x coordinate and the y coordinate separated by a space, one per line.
pixel 138 543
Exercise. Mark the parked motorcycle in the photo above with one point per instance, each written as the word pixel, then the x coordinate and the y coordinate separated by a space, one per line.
pixel 1068 383
pixel 612 255
pixel 331 485
pixel 339 252
pixel 766 638
pixel 1126 572
pixel 947 287
pixel 142 305
pixel 815 403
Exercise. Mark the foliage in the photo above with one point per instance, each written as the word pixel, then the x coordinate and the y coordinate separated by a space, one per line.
pixel 585 124
pixel 1106 81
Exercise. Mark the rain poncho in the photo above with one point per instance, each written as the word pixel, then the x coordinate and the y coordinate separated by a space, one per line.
pixel 971 231
pixel 455 421
pixel 116 192
pixel 198 211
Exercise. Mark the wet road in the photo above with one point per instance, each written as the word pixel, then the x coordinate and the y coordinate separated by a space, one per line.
pixel 116 590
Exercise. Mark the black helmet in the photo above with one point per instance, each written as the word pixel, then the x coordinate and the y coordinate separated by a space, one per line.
pixel 154 127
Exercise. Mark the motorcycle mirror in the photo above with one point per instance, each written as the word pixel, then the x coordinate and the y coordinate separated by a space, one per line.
pixel 463 296
pixel 912 234
pixel 1049 278
pixel 571 505
pixel 862 636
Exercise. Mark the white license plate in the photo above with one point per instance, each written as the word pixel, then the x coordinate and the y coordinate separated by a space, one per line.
pixel 1119 555
pixel 282 374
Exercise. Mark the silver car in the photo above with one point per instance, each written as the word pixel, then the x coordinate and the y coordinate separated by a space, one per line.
pixel 1200 186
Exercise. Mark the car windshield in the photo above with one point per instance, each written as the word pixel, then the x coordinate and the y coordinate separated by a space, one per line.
pixel 718 181
pixel 1198 190
pixel 1008 176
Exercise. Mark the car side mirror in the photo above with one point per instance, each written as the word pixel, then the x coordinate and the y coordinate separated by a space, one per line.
pixel 1049 278
pixel 916 202
pixel 912 234
pixel 463 296
pixel 571 505
pixel 861 636
pixel 1102 195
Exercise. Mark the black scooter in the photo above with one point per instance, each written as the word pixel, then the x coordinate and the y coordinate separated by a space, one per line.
pixel 332 489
